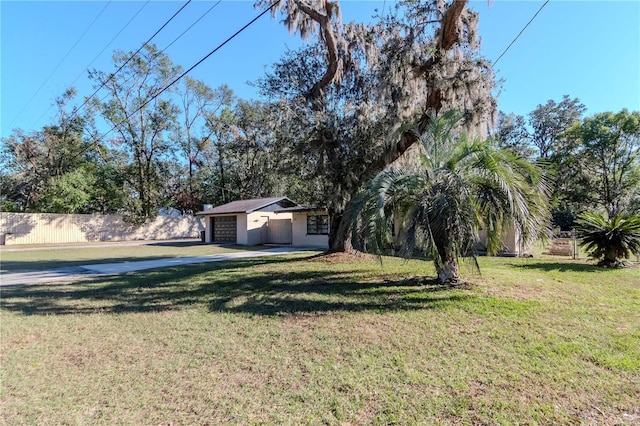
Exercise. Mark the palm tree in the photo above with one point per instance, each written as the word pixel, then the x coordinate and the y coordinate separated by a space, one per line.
pixel 461 187
pixel 610 240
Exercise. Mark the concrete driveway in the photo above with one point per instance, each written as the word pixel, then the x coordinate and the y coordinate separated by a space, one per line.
pixel 78 273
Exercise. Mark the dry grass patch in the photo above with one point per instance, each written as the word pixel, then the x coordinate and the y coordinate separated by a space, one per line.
pixel 304 340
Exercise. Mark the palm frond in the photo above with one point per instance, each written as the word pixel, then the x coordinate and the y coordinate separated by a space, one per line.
pixel 609 239
pixel 463 186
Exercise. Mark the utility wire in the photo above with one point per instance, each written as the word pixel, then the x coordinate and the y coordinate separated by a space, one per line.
pixel 521 31
pixel 131 57
pixel 111 41
pixel 190 26
pixel 174 40
pixel 100 137
pixel 190 69
pixel 155 56
pixel 60 63
pixel 96 57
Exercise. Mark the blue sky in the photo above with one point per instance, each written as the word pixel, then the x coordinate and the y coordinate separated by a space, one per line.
pixel 585 49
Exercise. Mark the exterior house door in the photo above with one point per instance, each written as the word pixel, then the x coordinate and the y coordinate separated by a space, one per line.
pixel 280 231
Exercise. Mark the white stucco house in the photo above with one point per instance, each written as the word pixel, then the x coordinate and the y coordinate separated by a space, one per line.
pixel 275 220
pixel 511 243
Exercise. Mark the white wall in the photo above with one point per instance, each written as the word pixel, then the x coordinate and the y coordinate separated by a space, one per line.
pixel 50 228
pixel 255 223
pixel 241 230
pixel 248 226
pixel 250 232
pixel 510 242
pixel 299 228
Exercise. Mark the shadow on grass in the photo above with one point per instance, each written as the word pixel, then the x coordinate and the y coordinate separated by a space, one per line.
pixel 561 267
pixel 264 286
pixel 34 266
pixel 11 266
pixel 170 243
pixel 195 243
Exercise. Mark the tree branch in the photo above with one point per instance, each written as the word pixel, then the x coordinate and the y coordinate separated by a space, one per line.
pixel 324 21
pixel 449 30
pixel 448 36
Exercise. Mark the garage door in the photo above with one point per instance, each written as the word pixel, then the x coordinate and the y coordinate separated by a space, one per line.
pixel 224 229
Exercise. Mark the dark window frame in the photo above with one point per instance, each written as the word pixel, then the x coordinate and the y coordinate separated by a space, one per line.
pixel 318 224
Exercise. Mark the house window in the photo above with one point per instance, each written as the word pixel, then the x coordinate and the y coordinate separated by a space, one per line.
pixel 318 225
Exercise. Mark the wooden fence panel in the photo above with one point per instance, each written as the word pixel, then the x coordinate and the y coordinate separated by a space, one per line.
pixel 49 228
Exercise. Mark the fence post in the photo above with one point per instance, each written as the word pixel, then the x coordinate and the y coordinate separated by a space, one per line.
pixel 575 243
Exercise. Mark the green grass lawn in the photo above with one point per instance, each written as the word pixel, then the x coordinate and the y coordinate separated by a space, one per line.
pixel 326 340
pixel 43 258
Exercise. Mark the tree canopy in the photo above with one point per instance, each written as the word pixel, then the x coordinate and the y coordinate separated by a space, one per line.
pixel 606 149
pixel 344 99
pixel 592 162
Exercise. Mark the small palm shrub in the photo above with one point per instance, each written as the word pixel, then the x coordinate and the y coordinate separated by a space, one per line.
pixel 461 187
pixel 609 240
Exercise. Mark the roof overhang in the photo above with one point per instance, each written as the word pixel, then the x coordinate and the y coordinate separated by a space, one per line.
pixel 243 206
pixel 301 209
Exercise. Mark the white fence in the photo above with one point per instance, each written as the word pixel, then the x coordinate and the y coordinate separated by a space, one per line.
pixel 48 228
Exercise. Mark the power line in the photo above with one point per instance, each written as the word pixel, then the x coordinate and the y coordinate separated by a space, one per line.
pixel 191 26
pixel 169 45
pixel 155 56
pixel 60 63
pixel 111 41
pixel 100 137
pixel 132 56
pixel 96 57
pixel 174 40
pixel 521 31
pixel 191 68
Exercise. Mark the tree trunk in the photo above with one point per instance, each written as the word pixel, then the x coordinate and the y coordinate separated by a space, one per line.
pixel 339 238
pixel 447 264
pixel 448 272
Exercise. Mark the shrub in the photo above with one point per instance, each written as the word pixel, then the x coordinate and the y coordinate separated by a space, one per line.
pixel 609 240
